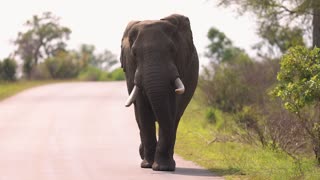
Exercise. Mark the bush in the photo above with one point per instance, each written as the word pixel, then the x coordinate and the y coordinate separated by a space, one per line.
pixel 211 116
pixel 284 130
pixel 243 82
pixel 8 69
pixel 252 121
pixel 93 74
pixel 299 89
pixel 117 75
pixel 63 66
pixel 40 72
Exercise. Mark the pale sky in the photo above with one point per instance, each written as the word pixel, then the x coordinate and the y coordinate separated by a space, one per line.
pixel 102 22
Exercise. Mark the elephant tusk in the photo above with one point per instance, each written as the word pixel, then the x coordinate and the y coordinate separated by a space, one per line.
pixel 132 96
pixel 179 85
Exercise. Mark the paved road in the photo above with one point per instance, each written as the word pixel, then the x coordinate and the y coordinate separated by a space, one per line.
pixel 75 131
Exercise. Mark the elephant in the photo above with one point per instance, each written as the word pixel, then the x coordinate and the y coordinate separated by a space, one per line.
pixel 161 68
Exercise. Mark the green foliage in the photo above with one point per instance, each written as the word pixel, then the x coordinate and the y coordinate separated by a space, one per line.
pixel 223 81
pixel 225 89
pixel 8 69
pixel 42 47
pixel 231 86
pixel 279 38
pixel 86 54
pixel 277 21
pixel 105 60
pixel 40 72
pixel 299 78
pixel 211 116
pixel 221 48
pixel 62 66
pixel 91 73
pixel 43 38
pixel 239 87
pixel 299 89
pixel 27 67
pixel 117 74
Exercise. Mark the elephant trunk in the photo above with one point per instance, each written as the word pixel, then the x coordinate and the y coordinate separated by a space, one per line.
pixel 155 82
pixel 158 91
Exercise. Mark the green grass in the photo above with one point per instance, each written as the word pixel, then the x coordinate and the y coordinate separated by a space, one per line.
pixel 8 89
pixel 232 159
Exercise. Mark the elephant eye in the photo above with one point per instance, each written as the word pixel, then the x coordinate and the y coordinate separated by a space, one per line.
pixel 173 48
pixel 134 51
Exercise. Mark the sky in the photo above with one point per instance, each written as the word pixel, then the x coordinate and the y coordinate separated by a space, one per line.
pixel 102 22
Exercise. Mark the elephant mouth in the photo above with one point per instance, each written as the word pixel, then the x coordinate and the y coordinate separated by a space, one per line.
pixel 180 89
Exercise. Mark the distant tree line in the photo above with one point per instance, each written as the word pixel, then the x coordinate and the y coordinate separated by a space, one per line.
pixel 43 51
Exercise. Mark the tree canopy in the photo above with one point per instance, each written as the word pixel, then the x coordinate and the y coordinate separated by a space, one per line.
pixel 43 38
pixel 221 48
pixel 292 17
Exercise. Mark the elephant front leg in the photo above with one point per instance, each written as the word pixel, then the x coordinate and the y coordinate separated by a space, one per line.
pixel 165 148
pixel 146 122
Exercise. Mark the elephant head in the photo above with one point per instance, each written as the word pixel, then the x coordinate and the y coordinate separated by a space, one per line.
pixel 150 52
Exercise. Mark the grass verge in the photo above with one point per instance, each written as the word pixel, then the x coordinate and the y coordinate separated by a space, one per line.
pixel 8 89
pixel 196 141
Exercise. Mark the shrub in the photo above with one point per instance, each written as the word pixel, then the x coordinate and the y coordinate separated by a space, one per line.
pixel 284 130
pixel 299 89
pixel 117 75
pixel 211 116
pixel 8 69
pixel 63 66
pixel 244 82
pixel 40 72
pixel 252 121
pixel 93 74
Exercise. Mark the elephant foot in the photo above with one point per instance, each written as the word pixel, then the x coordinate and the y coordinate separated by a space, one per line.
pixel 165 166
pixel 146 164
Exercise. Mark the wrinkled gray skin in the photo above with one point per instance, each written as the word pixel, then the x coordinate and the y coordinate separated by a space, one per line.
pixel 153 54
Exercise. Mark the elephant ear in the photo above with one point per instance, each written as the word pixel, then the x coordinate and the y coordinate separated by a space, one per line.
pixel 125 44
pixel 182 23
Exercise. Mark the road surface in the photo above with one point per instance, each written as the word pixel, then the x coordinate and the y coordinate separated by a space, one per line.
pixel 76 131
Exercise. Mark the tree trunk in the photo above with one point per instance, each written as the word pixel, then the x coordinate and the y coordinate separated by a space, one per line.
pixel 316 24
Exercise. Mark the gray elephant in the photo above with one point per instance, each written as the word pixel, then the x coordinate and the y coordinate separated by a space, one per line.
pixel 161 66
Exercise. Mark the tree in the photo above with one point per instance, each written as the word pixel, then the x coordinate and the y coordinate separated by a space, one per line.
pixel 283 14
pixel 221 48
pixel 43 38
pixel 86 54
pixel 8 69
pixel 62 66
pixel 277 40
pixel 105 60
pixel 299 89
pixel 220 81
pixel 102 61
